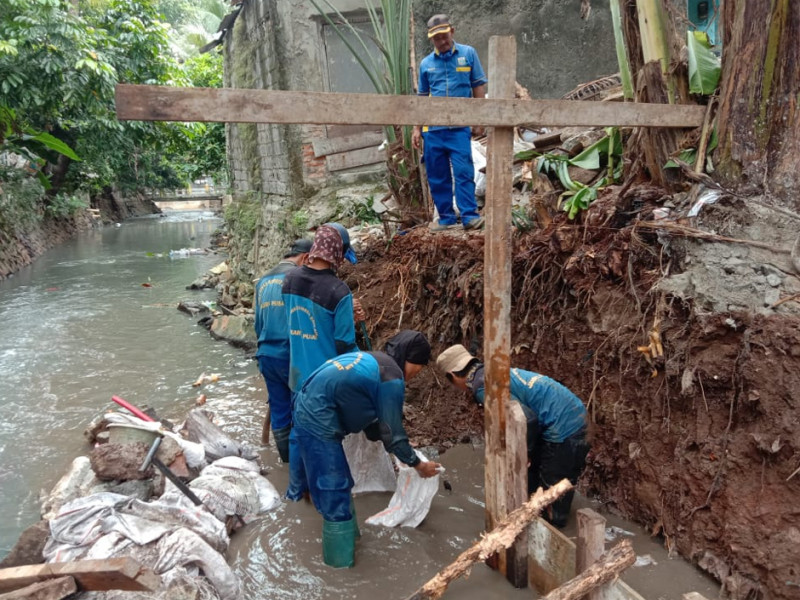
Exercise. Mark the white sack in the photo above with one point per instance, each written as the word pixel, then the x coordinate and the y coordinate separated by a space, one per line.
pixel 183 547
pixel 411 501
pixel 370 465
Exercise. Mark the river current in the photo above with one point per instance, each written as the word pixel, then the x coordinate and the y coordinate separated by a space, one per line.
pixel 97 317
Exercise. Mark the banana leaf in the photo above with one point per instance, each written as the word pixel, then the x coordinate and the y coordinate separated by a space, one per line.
pixel 704 65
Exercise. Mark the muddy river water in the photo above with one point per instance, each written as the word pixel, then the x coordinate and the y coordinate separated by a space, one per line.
pixel 79 326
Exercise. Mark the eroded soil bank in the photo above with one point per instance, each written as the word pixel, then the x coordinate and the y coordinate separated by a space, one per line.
pixel 697 444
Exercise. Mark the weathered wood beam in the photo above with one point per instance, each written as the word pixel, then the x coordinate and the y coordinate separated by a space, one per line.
pixel 501 537
pixel 160 103
pixel 91 575
pixel 497 290
pixel 612 563
pixel 52 589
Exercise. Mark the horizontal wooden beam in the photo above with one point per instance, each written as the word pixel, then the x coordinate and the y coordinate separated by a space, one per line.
pixel 159 103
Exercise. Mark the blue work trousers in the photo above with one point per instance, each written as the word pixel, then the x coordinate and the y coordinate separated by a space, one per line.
pixel 276 375
pixel 446 148
pixel 319 466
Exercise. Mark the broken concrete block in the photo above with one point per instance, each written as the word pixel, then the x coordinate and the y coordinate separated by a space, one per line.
pixel 120 461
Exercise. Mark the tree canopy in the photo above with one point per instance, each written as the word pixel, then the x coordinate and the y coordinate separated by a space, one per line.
pixel 59 64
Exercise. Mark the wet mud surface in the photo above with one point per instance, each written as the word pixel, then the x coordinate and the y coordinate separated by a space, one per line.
pixel 696 444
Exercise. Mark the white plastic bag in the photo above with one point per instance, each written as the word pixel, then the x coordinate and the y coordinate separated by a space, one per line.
pixel 411 501
pixel 370 465
pixel 479 160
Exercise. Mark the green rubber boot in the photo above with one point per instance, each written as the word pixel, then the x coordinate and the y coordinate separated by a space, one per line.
pixel 339 543
pixel 356 530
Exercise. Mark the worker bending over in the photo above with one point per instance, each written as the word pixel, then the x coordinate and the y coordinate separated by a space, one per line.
pixel 354 392
pixel 557 445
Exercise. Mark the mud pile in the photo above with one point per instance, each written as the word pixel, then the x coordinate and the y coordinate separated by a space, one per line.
pixel 697 441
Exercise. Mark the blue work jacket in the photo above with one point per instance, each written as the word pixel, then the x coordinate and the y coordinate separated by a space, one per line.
pixel 357 391
pixel 319 309
pixel 272 327
pixel 560 413
pixel 451 74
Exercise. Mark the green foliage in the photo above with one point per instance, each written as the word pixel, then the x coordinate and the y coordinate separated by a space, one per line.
pixel 19 200
pixel 704 65
pixel 689 155
pixel 62 206
pixel 300 220
pixel 577 196
pixel 361 211
pixel 58 70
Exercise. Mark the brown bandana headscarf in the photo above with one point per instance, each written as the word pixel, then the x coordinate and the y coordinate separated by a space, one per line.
pixel 327 246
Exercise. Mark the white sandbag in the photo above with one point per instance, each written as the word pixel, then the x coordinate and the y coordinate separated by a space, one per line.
pixel 78 525
pixel 411 501
pixel 184 547
pixel 370 465
pixel 268 496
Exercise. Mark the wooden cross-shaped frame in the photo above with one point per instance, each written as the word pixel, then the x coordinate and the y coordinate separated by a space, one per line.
pixel 506 473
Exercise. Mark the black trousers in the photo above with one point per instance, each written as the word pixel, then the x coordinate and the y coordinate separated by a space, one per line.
pixel 550 463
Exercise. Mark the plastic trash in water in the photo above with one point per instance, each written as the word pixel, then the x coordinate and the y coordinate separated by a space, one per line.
pixel 614 532
pixel 644 560
pixel 186 252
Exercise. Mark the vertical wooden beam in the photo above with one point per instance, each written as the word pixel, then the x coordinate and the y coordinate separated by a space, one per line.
pixel 497 284
pixel 590 546
pixel 517 490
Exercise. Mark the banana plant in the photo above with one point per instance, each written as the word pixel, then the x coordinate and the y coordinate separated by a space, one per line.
pixel 578 196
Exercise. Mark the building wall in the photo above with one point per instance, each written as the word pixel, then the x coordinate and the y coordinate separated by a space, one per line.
pixel 278 170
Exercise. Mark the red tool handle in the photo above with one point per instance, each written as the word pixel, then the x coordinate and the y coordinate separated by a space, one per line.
pixel 130 407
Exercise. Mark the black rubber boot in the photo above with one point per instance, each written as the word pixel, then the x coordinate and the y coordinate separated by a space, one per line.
pixel 282 442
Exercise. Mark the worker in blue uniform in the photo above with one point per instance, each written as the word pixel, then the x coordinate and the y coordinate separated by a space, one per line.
pixel 272 331
pixel 557 445
pixel 319 306
pixel 354 392
pixel 454 71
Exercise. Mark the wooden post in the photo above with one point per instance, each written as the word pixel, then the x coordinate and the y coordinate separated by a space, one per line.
pixel 517 490
pixel 497 286
pixel 591 545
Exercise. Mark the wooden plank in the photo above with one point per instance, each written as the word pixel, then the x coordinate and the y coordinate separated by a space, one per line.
pixel 622 591
pixel 551 557
pixel 517 490
pixel 161 103
pixel 355 158
pixel 603 571
pixel 91 575
pixel 497 287
pixel 590 545
pixel 325 146
pixel 52 589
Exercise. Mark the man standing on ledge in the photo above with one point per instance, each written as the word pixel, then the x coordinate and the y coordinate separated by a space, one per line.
pixel 452 71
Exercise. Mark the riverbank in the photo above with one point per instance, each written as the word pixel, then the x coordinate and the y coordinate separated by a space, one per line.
pixel 19 249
